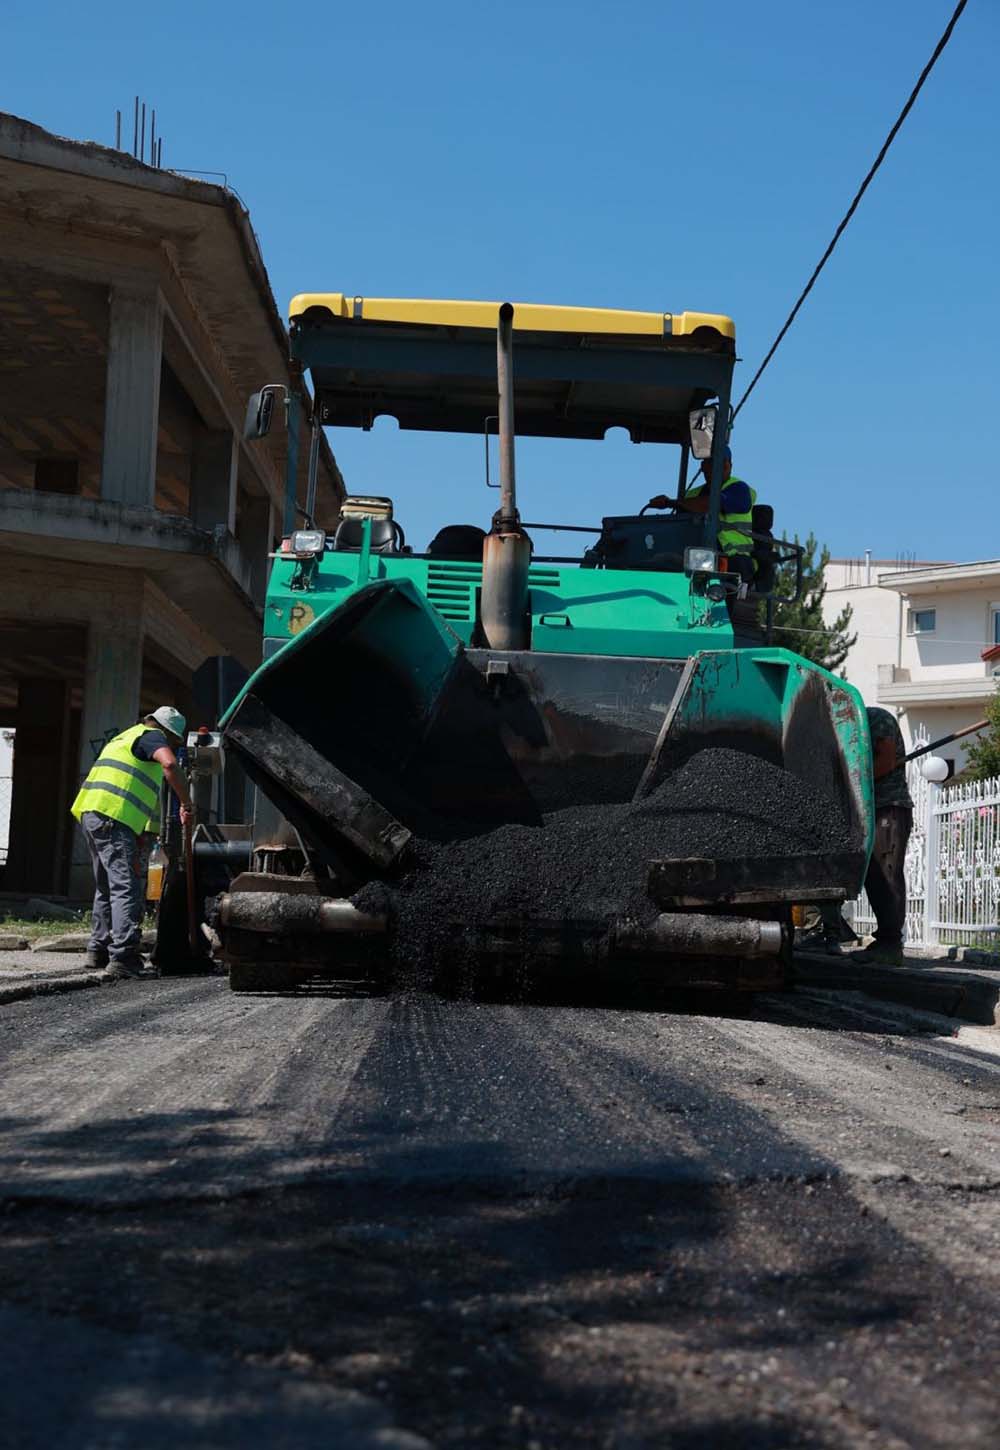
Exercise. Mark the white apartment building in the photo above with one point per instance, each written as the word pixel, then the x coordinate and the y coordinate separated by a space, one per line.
pixel 922 631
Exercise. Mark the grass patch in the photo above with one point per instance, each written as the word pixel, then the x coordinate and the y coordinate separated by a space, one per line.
pixel 33 931
pixel 985 939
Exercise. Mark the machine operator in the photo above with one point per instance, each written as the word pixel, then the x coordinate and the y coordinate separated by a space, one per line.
pixel 117 804
pixel 736 503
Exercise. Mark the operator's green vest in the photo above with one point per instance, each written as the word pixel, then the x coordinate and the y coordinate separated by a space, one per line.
pixel 122 787
pixel 732 539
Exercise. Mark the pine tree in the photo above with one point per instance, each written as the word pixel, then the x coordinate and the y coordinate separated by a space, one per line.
pixel 800 627
pixel 982 760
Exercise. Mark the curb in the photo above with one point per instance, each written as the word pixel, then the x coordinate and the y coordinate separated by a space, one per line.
pixel 943 956
pixel 975 956
pixel 52 986
pixel 966 995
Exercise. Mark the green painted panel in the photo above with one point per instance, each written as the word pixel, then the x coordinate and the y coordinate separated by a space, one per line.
pixel 574 611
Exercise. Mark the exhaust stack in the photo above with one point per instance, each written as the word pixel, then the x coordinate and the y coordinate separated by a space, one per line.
pixel 507 550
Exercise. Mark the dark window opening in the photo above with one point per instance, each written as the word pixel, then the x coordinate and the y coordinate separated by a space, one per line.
pixel 57 475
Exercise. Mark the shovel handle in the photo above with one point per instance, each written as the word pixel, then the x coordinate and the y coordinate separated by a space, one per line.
pixel 925 749
pixel 189 875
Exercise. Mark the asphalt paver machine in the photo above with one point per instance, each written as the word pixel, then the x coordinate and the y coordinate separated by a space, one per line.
pixel 445 693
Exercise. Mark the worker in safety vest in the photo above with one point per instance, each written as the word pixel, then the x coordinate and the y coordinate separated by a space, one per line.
pixel 885 882
pixel 117 804
pixel 736 501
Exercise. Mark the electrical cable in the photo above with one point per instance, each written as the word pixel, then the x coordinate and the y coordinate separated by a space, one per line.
pixel 854 204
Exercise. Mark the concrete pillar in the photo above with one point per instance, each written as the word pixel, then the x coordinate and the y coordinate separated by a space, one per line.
pixel 214 462
pixel 132 400
pixel 255 541
pixel 217 682
pixel 42 790
pixel 110 704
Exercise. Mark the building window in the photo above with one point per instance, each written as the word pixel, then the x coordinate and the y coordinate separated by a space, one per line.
pixel 996 623
pixel 921 621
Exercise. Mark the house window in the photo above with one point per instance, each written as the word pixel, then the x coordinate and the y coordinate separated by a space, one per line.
pixel 921 621
pixel 996 623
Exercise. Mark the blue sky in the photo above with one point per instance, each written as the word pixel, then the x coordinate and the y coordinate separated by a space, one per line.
pixel 652 155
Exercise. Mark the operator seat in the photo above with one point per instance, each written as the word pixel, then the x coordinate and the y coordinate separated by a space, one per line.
pixel 350 533
pixel 462 542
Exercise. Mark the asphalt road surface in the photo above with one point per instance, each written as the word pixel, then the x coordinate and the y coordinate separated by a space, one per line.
pixel 341 1220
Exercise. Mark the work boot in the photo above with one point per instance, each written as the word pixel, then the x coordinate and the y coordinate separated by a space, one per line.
pixel 96 960
pixel 127 967
pixel 879 954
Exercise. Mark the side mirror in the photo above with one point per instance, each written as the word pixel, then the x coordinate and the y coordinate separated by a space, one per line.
pixel 259 411
pixel 702 427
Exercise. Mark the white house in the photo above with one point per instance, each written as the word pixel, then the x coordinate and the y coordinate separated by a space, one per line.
pixel 922 631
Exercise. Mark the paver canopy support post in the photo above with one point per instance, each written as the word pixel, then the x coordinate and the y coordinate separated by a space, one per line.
pixel 293 418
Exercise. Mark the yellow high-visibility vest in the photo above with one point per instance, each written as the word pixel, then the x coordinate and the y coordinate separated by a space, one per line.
pixel 122 787
pixel 732 539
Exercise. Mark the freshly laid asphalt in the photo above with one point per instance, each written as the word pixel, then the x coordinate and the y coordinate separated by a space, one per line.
pixel 333 1218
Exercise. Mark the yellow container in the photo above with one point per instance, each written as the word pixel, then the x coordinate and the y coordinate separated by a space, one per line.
pixel 798 916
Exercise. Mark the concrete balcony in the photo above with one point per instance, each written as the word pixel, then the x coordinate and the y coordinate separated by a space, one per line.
pixel 203 572
pixel 896 686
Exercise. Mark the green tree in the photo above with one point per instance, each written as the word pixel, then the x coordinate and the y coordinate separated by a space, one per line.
pixel 801 626
pixel 983 757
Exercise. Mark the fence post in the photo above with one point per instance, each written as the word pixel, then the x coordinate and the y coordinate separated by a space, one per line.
pixel 932 864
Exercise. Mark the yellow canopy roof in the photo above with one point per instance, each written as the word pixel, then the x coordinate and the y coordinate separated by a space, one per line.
pixel 578 371
pixel 528 316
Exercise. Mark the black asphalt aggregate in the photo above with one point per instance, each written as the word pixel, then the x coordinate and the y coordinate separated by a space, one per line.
pixel 591 861
pixel 605 1221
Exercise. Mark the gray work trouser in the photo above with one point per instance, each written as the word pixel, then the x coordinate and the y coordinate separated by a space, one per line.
pixel 886 879
pixel 120 888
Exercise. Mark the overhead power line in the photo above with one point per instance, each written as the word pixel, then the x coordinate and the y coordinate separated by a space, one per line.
pixel 854 204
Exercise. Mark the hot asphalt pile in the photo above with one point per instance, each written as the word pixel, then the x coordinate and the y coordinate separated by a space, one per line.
pixel 590 861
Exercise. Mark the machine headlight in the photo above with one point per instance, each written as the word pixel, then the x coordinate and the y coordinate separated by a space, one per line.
pixel 701 561
pixel 306 543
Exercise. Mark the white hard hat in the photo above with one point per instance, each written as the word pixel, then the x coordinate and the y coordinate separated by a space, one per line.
pixel 171 720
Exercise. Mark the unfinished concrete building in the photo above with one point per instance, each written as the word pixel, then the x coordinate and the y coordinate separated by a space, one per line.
pixel 136 318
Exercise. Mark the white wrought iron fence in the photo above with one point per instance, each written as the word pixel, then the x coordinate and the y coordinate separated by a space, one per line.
pixel 952 865
pixel 963 879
